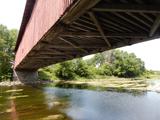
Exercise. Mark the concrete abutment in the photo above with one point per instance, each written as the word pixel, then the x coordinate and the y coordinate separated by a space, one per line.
pixel 25 76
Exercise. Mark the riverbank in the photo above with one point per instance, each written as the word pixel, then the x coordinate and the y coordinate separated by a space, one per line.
pixel 111 84
pixel 108 84
pixel 10 83
pixel 18 83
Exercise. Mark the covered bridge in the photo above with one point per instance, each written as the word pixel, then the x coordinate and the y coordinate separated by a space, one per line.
pixel 53 31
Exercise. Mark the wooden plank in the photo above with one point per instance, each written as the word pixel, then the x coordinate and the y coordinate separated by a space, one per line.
pixel 52 46
pixel 106 34
pixel 138 19
pixel 75 27
pixel 84 26
pixel 50 51
pixel 127 8
pixel 93 17
pixel 147 17
pixel 81 46
pixel 72 44
pixel 108 25
pixel 78 9
pixel 115 25
pixel 46 57
pixel 121 22
pixel 155 26
pixel 130 21
pixel 86 21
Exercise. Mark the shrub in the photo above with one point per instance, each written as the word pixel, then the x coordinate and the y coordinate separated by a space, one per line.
pixel 65 70
pixel 105 69
pixel 82 69
pixel 127 65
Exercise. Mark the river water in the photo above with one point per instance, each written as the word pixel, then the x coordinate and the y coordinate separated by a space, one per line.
pixel 49 103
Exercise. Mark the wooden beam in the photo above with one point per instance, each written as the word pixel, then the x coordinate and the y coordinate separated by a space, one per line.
pixel 114 25
pixel 75 27
pixel 88 46
pixel 117 20
pixel 53 46
pixel 139 19
pixel 72 44
pixel 84 26
pixel 50 51
pixel 96 22
pixel 130 21
pixel 78 10
pixel 47 57
pixel 84 20
pixel 155 26
pixel 106 34
pixel 127 8
pixel 147 17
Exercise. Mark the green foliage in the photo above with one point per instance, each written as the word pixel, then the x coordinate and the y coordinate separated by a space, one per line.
pixel 105 69
pixel 117 63
pixel 82 69
pixel 7 43
pixel 127 65
pixel 45 74
pixel 97 60
pixel 65 70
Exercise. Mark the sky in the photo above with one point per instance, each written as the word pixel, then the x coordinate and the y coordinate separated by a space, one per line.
pixel 11 12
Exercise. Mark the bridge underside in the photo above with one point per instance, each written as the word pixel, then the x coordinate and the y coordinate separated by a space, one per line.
pixel 91 26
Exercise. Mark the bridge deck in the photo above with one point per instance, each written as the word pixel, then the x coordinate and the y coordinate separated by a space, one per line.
pixel 91 26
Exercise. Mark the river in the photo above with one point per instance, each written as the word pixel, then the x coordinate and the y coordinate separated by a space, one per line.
pixel 49 103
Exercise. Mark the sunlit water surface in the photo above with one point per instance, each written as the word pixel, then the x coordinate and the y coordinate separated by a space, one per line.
pixel 48 103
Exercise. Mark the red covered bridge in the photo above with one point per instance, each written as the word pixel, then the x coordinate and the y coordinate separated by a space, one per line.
pixel 53 31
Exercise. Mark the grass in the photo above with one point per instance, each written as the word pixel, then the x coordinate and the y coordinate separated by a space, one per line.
pixel 110 83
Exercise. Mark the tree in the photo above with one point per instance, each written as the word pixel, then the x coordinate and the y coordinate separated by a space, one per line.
pixel 106 69
pixel 7 43
pixel 97 60
pixel 65 70
pixel 127 65
pixel 82 69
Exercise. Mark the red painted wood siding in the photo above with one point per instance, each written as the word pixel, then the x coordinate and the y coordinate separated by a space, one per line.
pixel 45 14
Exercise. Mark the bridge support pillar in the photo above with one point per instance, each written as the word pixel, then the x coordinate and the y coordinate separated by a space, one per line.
pixel 25 76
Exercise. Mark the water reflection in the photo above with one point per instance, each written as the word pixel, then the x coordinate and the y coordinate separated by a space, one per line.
pixel 92 105
pixel 48 103
pixel 14 115
pixel 27 103
pixel 154 85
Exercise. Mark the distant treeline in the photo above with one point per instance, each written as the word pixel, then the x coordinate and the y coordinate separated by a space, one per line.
pixel 110 63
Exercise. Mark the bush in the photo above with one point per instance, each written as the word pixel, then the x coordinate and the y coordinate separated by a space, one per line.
pixel 47 73
pixel 82 69
pixel 43 75
pixel 65 70
pixel 105 69
pixel 127 65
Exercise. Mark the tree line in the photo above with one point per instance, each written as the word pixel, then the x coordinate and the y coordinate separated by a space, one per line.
pixel 109 63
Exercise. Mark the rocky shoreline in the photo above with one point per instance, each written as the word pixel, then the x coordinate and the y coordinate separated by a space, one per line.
pixel 10 83
pixel 112 86
pixel 18 83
